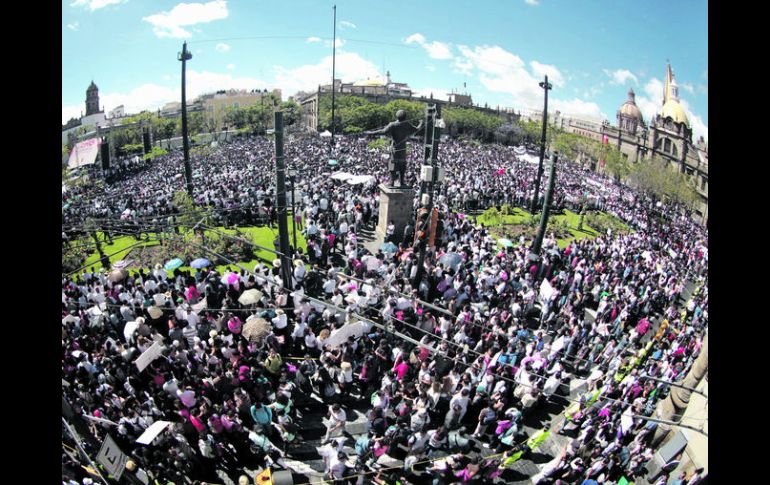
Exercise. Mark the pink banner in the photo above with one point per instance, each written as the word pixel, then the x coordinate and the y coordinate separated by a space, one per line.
pixel 84 153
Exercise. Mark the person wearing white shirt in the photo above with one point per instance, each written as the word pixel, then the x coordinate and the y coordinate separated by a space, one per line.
pixel 338 418
pixel 460 399
pixel 279 321
pixel 329 286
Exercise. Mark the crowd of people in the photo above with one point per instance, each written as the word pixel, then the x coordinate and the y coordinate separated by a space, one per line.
pixel 454 362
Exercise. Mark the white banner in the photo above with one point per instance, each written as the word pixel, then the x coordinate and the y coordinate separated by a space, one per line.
pixel 546 290
pixel 340 336
pixel 148 356
pixel 112 458
pixel 152 432
pixel 84 153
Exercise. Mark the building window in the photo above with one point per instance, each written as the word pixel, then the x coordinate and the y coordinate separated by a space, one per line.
pixel 675 150
pixel 703 183
pixel 667 146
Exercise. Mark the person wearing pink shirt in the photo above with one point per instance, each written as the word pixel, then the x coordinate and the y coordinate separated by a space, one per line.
pixel 401 368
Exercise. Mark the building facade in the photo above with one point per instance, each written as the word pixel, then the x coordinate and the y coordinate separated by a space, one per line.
pixel 92 100
pixel 668 136
pixel 94 117
pixel 380 91
pixel 215 105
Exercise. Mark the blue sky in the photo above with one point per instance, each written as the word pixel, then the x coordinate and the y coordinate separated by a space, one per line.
pixel 593 51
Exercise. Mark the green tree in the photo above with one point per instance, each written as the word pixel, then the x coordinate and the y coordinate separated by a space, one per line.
pixel 472 123
pixel 291 112
pixel 235 117
pixel 615 163
pixel 189 213
pixel 132 148
pixel 210 124
pixel 661 179
pixel 154 153
pixel 195 122
pixel 414 110
pixel 258 117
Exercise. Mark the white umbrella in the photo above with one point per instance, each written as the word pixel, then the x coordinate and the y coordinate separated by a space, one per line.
pixel 373 263
pixel 255 328
pixel 250 297
pixel 155 312
pixel 117 275
pixel 342 176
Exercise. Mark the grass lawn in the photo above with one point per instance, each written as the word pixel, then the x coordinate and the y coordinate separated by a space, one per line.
pixel 519 216
pixel 263 236
pixel 572 219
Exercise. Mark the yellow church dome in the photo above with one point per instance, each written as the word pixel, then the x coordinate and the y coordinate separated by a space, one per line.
pixel 369 82
pixel 672 109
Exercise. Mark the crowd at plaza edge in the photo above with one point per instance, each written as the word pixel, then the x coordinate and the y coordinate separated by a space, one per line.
pixel 480 367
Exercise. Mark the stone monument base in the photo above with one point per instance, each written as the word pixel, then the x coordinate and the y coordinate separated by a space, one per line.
pixel 396 205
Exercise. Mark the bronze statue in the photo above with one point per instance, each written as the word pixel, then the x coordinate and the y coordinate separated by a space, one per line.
pixel 400 130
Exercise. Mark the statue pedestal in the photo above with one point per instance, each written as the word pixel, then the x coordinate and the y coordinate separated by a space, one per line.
pixel 396 205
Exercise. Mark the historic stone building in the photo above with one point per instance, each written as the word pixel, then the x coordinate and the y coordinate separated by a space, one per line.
pixel 380 91
pixel 668 136
pixel 92 100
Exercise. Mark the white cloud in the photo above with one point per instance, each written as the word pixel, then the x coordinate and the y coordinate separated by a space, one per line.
pixel 576 107
pixel 651 101
pixel 73 26
pixel 350 67
pixel 430 67
pixel 73 111
pixel 337 43
pixel 313 39
pixel 699 128
pixel 688 87
pixel 554 76
pixel 169 24
pixel 621 76
pixel 593 91
pixel 344 24
pixel 703 89
pixel 438 93
pixel 95 4
pixel 222 47
pixel 150 96
pixel 532 2
pixel 503 72
pixel 438 50
pixel 435 49
pixel 166 77
pixel 230 66
pixel 418 37
pixel 463 66
pixel 206 81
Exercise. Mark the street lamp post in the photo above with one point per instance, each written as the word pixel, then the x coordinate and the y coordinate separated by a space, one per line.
pixel 292 174
pixel 185 56
pixel 546 86
pixel 546 206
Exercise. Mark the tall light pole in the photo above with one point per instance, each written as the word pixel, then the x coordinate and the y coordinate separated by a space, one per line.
pixel 546 206
pixel 334 65
pixel 432 137
pixel 292 174
pixel 546 86
pixel 280 203
pixel 185 56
